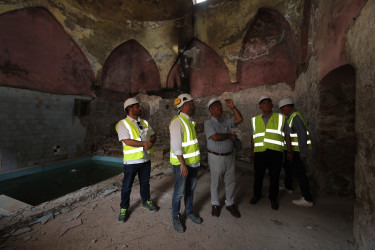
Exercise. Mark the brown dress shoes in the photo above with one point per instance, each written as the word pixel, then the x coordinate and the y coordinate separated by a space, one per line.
pixel 233 210
pixel 215 211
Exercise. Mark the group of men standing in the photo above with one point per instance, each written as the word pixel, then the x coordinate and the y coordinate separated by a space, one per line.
pixel 276 138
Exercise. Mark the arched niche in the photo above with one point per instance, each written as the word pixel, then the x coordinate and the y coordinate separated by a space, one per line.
pixel 269 52
pixel 37 54
pixel 130 69
pixel 337 137
pixel 199 71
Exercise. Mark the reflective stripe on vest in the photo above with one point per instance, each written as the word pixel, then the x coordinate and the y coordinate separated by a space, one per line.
pixel 133 153
pixel 190 146
pixel 270 136
pixel 294 136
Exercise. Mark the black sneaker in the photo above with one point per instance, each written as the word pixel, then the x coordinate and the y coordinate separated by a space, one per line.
pixel 177 224
pixel 194 218
pixel 149 206
pixel 123 215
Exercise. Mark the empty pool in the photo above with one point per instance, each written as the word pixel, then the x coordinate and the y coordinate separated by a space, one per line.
pixel 48 182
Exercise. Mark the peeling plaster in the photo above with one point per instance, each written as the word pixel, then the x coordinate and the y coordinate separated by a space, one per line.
pixel 255 48
pixel 193 53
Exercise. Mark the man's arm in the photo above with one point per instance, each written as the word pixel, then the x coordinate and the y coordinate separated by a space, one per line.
pixel 223 137
pixel 134 143
pixel 237 114
pixel 176 146
pixel 210 132
pixel 302 137
pixel 288 142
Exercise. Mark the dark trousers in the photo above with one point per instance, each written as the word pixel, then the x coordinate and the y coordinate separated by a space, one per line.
pixel 288 170
pixel 130 171
pixel 297 168
pixel 271 160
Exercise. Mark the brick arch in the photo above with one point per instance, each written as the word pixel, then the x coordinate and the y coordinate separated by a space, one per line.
pixel 37 54
pixel 269 52
pixel 337 136
pixel 130 69
pixel 200 71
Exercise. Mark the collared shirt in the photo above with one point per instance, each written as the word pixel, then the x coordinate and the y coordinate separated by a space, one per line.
pixel 123 133
pixel 214 126
pixel 177 133
pixel 266 119
pixel 299 128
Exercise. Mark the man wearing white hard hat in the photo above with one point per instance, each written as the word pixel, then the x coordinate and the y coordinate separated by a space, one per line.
pixel 137 139
pixel 221 158
pixel 269 130
pixel 185 160
pixel 301 142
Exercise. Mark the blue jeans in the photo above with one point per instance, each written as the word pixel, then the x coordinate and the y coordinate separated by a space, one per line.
pixel 130 171
pixel 183 186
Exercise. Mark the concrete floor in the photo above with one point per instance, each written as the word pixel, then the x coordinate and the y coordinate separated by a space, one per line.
pixel 92 224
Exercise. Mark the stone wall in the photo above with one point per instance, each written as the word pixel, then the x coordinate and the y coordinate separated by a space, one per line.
pixel 360 48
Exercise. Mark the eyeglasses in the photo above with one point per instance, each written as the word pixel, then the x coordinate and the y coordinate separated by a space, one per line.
pixel 140 125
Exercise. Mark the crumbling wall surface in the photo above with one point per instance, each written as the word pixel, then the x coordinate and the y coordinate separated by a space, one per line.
pixel 200 71
pixel 130 69
pixel 37 54
pixel 306 99
pixel 38 127
pixel 98 27
pixel 269 46
pixel 330 21
pixel 360 48
pixel 222 25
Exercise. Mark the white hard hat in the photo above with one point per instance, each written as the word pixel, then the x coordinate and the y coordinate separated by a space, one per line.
pixel 181 99
pixel 130 101
pixel 285 101
pixel 264 97
pixel 212 101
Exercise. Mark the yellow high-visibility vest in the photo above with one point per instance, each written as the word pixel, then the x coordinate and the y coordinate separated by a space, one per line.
pixel 294 136
pixel 190 146
pixel 270 136
pixel 133 153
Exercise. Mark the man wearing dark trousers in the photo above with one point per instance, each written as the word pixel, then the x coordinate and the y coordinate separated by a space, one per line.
pixel 300 139
pixel 137 139
pixel 268 130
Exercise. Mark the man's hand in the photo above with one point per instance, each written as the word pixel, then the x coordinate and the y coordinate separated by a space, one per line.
pixel 183 170
pixel 147 145
pixel 229 103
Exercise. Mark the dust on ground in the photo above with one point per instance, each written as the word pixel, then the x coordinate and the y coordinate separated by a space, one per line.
pixel 91 222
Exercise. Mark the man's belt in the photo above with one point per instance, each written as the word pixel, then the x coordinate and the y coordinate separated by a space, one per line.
pixel 221 154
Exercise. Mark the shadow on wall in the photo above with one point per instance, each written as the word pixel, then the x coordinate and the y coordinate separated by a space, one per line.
pixel 337 129
pixel 268 54
pixel 130 69
pixel 37 54
pixel 199 70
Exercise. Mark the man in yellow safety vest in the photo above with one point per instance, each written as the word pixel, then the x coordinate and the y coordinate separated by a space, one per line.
pixel 301 142
pixel 185 160
pixel 137 139
pixel 268 130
